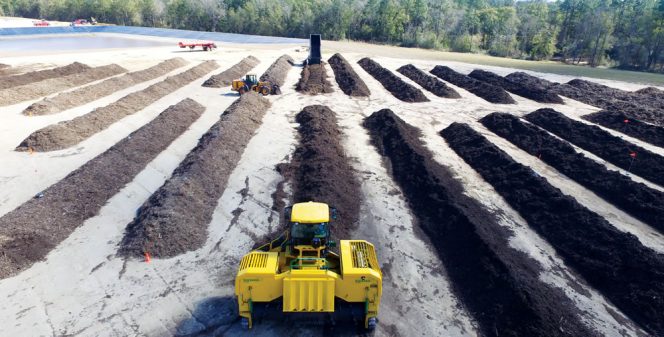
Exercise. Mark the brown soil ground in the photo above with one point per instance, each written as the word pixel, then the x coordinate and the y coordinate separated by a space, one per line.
pixel 36 76
pixel 93 92
pixel 615 263
pixel 226 77
pixel 633 127
pixel 320 170
pixel 499 285
pixel 434 85
pixel 276 73
pixel 488 92
pixel 69 133
pixel 534 92
pixel 349 82
pixel 34 90
pixel 36 227
pixel 395 85
pixel 176 217
pixel 313 80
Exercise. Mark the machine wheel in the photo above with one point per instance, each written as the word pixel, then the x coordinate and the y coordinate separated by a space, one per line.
pixel 205 48
pixel 265 91
pixel 371 325
pixel 242 90
pixel 244 322
pixel 276 90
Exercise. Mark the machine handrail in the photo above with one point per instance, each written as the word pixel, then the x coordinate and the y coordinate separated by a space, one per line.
pixel 294 263
pixel 270 245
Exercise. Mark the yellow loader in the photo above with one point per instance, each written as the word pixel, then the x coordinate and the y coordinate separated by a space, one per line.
pixel 301 271
pixel 251 83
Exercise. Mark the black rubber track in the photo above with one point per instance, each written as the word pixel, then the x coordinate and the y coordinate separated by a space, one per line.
pixel 431 83
pixel 534 92
pixel 499 285
pixel 613 262
pixel 635 198
pixel 630 126
pixel 595 140
pixel 488 92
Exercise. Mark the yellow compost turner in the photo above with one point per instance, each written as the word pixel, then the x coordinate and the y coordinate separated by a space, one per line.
pixel 300 270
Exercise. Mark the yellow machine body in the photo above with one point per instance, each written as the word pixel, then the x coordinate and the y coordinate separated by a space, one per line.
pixel 308 278
pixel 250 83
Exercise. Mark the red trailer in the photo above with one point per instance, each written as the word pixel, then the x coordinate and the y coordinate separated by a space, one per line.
pixel 41 23
pixel 206 45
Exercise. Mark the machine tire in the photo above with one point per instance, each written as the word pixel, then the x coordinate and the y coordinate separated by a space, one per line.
pixel 244 322
pixel 372 324
pixel 242 90
pixel 276 90
pixel 265 91
pixel 205 48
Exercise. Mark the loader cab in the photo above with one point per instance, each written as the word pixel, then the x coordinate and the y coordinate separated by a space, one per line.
pixel 250 80
pixel 309 223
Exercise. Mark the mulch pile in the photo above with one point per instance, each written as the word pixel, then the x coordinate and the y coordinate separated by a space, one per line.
pixel 499 285
pixel 320 171
pixel 36 76
pixel 175 219
pixel 615 263
pixel 529 80
pixel 78 97
pixel 637 199
pixel 392 83
pixel 486 91
pixel 434 85
pixel 226 77
pixel 349 81
pixel 49 86
pixel 591 138
pixel 313 80
pixel 69 133
pixel 630 126
pixel 534 92
pixel 33 229
pixel 276 73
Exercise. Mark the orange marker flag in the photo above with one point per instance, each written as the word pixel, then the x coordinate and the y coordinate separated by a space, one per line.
pixel 147 257
pixel 632 154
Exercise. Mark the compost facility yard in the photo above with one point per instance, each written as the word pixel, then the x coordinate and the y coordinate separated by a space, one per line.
pixel 127 199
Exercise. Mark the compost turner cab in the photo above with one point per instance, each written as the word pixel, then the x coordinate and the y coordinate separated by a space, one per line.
pixel 303 272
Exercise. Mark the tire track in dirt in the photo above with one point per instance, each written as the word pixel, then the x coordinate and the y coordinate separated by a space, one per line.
pixel 486 91
pixel 432 84
pixel 591 138
pixel 226 77
pixel 276 73
pixel 46 87
pixel 314 80
pixel 33 229
pixel 613 262
pixel 637 199
pixel 499 285
pixel 630 126
pixel 536 93
pixel 72 99
pixel 349 82
pixel 36 76
pixel 71 132
pixel 392 83
pixel 175 218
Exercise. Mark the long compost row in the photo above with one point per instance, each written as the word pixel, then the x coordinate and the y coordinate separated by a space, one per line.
pixel 39 89
pixel 226 77
pixel 40 224
pixel 615 263
pixel 637 199
pixel 71 99
pixel 36 76
pixel 69 133
pixel 174 219
pixel 499 285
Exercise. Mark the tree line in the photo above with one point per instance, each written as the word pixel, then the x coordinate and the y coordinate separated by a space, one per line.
pixel 627 34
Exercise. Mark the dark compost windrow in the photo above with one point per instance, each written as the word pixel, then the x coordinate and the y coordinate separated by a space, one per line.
pixel 499 285
pixel 613 262
pixel 488 92
pixel 593 139
pixel 40 224
pixel 175 218
pixel 392 83
pixel 637 199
